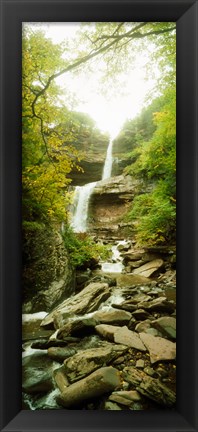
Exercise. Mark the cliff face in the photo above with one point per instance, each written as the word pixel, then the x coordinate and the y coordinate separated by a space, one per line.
pixel 93 148
pixel 109 203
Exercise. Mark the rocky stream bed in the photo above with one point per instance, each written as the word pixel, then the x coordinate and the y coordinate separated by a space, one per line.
pixel 110 346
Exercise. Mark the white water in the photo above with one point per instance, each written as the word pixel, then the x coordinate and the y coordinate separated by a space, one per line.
pixel 116 265
pixel 83 193
pixel 108 162
pixel 79 218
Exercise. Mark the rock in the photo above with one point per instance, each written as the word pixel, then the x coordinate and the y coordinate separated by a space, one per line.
pixel 128 338
pixel 140 314
pixel 37 373
pixel 125 397
pixel 167 326
pixel 148 269
pixel 60 354
pixel 132 255
pixel 159 304
pixel 126 306
pixel 87 300
pixel 47 343
pixel 149 371
pixel 140 364
pixel 76 327
pixel 159 348
pixel 143 326
pixel 111 406
pixel 106 330
pixel 60 378
pixel 112 316
pixel 85 362
pixel 100 382
pixel 50 263
pixel 152 388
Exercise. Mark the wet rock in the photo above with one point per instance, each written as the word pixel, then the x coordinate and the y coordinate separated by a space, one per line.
pixel 126 398
pixel 85 362
pixel 129 338
pixel 100 382
pixel 37 373
pixel 166 325
pixel 47 343
pixel 150 387
pixel 148 269
pixel 127 306
pixel 76 327
pixel 113 316
pixel 60 378
pixel 60 354
pixel 159 348
pixel 87 300
pixel 140 314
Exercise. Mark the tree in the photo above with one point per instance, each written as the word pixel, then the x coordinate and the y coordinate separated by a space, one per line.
pixel 154 213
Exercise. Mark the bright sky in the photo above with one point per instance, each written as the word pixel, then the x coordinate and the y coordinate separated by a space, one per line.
pixel 109 113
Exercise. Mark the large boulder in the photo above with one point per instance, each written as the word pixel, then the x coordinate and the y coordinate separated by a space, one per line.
pixel 148 269
pixel 48 276
pixel 87 300
pixel 166 325
pixel 100 382
pixel 85 362
pixel 37 373
pixel 113 316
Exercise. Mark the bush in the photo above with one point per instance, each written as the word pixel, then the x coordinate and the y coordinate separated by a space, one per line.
pixel 83 250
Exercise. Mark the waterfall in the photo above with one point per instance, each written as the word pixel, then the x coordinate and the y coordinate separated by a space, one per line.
pixel 81 199
pixel 83 193
pixel 108 162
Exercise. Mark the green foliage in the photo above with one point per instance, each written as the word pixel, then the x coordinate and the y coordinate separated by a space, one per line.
pixel 154 213
pixel 83 250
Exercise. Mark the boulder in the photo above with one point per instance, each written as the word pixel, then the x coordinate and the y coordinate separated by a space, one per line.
pixel 124 397
pixel 106 330
pixel 50 263
pixel 98 383
pixel 129 338
pixel 148 269
pixel 60 354
pixel 85 362
pixel 37 373
pixel 113 316
pixel 87 300
pixel 159 348
pixel 140 314
pixel 167 326
pixel 60 378
pixel 159 304
pixel 76 327
pixel 150 387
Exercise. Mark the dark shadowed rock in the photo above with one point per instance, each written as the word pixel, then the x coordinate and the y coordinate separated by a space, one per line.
pixel 76 327
pixel 60 354
pixel 37 373
pixel 98 383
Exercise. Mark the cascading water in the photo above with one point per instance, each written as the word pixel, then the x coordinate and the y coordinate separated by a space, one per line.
pixel 108 162
pixel 80 215
pixel 83 193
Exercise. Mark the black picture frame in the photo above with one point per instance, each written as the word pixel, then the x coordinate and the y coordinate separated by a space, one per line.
pixel 185 13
